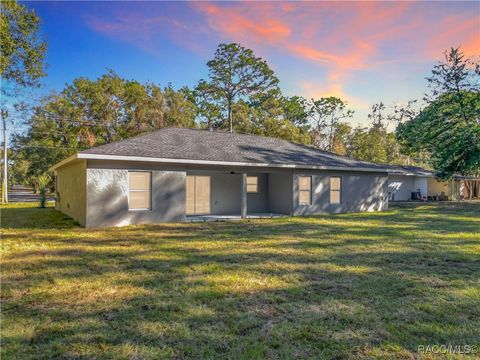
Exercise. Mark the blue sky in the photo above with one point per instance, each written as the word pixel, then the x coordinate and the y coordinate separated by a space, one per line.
pixel 363 52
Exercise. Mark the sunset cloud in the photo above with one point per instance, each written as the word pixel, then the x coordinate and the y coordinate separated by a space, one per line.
pixel 339 42
pixel 346 38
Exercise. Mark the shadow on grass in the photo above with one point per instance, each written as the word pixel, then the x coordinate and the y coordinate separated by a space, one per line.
pixel 31 216
pixel 322 287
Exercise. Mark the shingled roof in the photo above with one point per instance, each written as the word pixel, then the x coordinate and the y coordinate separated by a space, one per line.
pixel 194 146
pixel 216 146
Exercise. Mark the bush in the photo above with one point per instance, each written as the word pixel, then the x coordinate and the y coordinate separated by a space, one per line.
pixel 43 182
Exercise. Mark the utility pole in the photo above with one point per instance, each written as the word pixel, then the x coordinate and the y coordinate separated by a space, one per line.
pixel 5 159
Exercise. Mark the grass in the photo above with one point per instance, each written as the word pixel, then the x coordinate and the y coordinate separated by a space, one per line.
pixel 371 285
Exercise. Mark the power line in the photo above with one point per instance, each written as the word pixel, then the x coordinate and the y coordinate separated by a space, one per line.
pixel 48 147
pixel 49 116
pixel 48 132
pixel 82 121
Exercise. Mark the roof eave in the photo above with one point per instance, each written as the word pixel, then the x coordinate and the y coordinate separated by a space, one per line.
pixel 221 163
pixel 409 174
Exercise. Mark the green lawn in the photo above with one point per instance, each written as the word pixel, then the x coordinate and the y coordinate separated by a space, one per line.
pixel 371 285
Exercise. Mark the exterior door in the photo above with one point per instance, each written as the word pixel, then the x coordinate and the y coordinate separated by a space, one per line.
pixel 198 195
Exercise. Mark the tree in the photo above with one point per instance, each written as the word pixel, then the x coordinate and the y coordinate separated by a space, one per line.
pixel 295 109
pixel 326 113
pixel 94 112
pixel 236 73
pixel 22 49
pixel 21 64
pixel 367 144
pixel 179 111
pixel 375 143
pixel 209 110
pixel 377 115
pixel 264 115
pixel 449 126
pixel 341 136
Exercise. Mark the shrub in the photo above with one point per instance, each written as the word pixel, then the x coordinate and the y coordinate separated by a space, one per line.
pixel 43 182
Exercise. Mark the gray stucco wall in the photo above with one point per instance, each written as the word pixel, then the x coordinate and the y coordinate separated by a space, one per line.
pixel 71 190
pixel 107 198
pixel 280 192
pixel 258 202
pixel 96 192
pixel 401 187
pixel 360 192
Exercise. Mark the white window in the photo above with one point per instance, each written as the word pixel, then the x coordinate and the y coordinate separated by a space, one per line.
pixel 139 190
pixel 305 190
pixel 252 184
pixel 335 190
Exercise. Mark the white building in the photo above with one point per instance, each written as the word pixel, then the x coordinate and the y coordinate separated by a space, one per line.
pixel 407 183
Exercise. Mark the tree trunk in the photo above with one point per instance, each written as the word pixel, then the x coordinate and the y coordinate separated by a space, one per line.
pixel 470 186
pixel 331 138
pixel 230 122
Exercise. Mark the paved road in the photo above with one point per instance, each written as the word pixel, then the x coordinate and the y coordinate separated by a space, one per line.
pixel 25 195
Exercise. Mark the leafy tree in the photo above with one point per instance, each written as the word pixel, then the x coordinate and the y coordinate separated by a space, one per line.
pixel 326 113
pixel 18 168
pixel 22 49
pixel 341 137
pixel 366 144
pixel 22 55
pixel 178 111
pixel 208 106
pixel 375 143
pixel 449 126
pixel 94 112
pixel 236 73
pixel 264 115
pixel 295 109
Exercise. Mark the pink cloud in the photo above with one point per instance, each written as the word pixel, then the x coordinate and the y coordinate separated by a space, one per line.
pixel 341 38
pixel 344 38
pixel 457 31
pixel 232 22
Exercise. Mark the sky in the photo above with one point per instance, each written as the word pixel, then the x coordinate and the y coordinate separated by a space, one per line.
pixel 363 52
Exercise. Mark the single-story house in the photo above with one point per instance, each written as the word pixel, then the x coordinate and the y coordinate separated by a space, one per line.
pixel 175 174
pixel 407 183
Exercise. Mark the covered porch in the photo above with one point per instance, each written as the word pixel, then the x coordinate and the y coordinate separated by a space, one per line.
pixel 233 195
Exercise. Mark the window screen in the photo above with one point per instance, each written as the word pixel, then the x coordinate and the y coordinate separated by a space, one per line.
pixel 335 190
pixel 139 191
pixel 305 189
pixel 252 184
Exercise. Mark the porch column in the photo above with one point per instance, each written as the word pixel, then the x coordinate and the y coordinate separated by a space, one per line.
pixel 243 200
